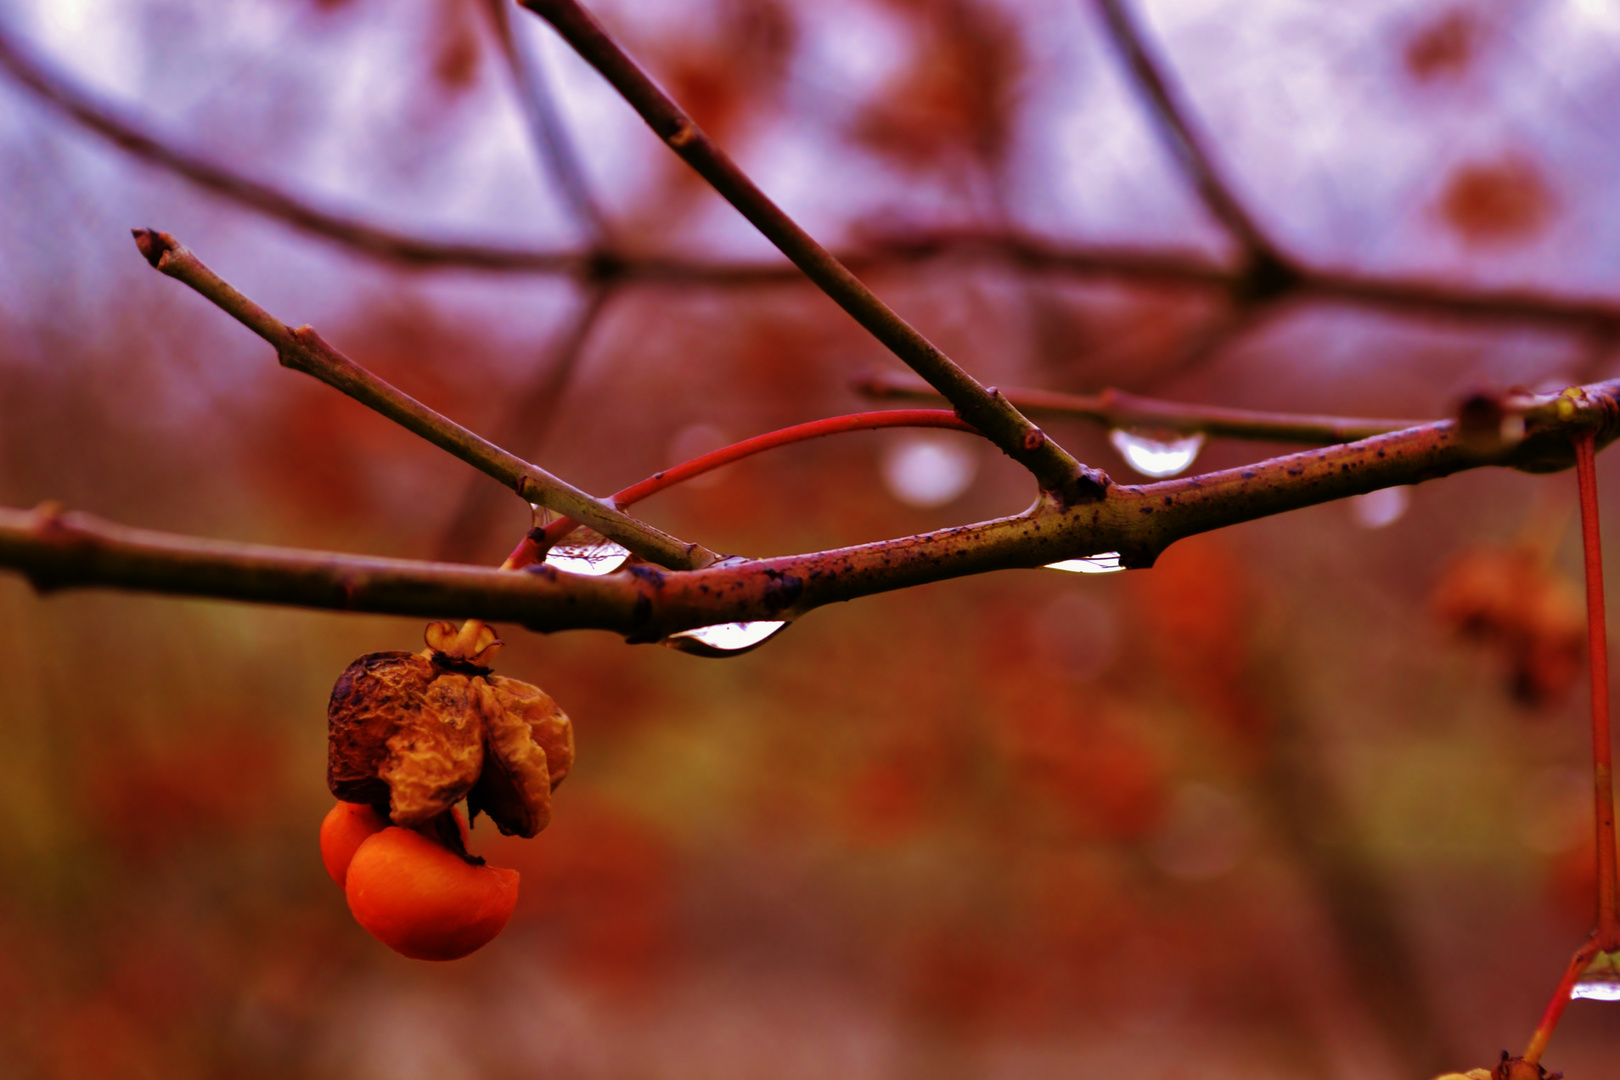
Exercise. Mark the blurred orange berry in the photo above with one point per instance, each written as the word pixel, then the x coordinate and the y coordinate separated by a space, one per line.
pixel 423 900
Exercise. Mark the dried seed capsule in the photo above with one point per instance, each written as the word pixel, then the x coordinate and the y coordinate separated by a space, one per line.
pixel 416 733
pixel 403 733
pixel 530 750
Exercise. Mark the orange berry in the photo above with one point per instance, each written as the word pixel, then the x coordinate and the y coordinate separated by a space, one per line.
pixel 425 901
pixel 347 826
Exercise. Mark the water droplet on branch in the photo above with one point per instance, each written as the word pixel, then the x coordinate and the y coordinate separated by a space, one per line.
pixel 724 639
pixel 1376 509
pixel 1157 457
pixel 1104 562
pixel 929 470
pixel 1601 979
pixel 586 551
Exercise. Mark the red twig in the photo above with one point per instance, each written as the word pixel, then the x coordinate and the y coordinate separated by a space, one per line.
pixel 533 548
pixel 1606 936
pixel 1560 1000
pixel 1608 924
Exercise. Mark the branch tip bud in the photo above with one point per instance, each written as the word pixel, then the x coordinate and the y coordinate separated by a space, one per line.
pixel 153 245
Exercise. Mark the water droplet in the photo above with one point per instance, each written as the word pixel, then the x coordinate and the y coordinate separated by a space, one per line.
pixel 586 551
pixel 929 470
pixel 1104 562
pixel 1376 509
pixel 1157 457
pixel 1601 979
pixel 724 639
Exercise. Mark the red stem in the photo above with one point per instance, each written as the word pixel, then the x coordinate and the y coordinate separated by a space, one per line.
pixel 533 548
pixel 1606 937
pixel 1560 1000
pixel 1608 925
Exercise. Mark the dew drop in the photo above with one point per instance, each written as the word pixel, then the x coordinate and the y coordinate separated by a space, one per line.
pixel 1104 562
pixel 586 551
pixel 929 470
pixel 724 639
pixel 1157 457
pixel 1601 979
pixel 1377 509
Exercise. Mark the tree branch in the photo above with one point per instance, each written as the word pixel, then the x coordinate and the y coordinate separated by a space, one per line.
pixel 303 350
pixel 370 239
pixel 525 427
pixel 547 130
pixel 57 550
pixel 1267 271
pixel 1117 409
pixel 1002 424
pixel 1410 296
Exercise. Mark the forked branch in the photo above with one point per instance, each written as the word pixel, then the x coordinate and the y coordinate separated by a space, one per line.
pixel 57 550
pixel 303 350
pixel 987 411
pixel 1267 271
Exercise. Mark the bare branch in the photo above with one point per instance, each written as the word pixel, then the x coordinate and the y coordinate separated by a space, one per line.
pixel 1002 424
pixel 1117 409
pixel 303 350
pixel 1412 296
pixel 546 127
pixel 1268 271
pixel 370 239
pixel 525 427
pixel 57 550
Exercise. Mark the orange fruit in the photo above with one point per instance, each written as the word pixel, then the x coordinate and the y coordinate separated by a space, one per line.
pixel 424 901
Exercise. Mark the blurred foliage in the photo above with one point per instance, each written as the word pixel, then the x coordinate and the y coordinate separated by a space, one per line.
pixel 1151 825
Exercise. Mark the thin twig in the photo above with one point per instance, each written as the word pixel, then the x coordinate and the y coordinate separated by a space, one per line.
pixel 533 548
pixel 1560 999
pixel 303 350
pixel 1117 409
pixel 371 239
pixel 525 428
pixel 546 128
pixel 1267 271
pixel 1608 919
pixel 58 550
pixel 1002 424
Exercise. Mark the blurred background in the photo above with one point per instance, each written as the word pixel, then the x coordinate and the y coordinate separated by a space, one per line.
pixel 1305 800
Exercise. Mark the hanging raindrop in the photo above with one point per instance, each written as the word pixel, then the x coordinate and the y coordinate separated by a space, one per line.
pixel 586 551
pixel 1601 979
pixel 724 639
pixel 1377 509
pixel 1157 457
pixel 1104 562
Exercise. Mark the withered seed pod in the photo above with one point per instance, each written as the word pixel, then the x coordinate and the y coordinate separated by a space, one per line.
pixel 414 733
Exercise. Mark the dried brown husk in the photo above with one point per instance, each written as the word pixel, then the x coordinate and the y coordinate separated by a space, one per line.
pixel 530 750
pixel 414 733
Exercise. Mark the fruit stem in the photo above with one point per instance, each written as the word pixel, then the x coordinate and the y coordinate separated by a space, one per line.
pixel 1606 936
pixel 1560 1000
pixel 1608 925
